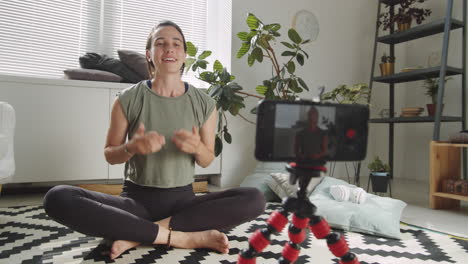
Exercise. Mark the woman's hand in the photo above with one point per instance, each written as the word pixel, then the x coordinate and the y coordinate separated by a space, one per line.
pixel 186 141
pixel 145 143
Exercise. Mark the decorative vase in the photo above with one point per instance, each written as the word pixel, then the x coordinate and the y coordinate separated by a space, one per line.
pixel 431 109
pixel 387 68
pixel 379 181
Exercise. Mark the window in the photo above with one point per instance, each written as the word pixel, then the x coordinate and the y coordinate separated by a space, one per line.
pixel 42 38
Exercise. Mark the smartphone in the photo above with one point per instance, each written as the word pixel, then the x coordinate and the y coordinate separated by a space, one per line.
pixel 305 131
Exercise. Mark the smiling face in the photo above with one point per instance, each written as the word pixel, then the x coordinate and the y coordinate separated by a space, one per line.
pixel 166 52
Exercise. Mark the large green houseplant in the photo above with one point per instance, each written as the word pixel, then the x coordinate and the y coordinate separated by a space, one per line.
pixel 256 44
pixel 284 83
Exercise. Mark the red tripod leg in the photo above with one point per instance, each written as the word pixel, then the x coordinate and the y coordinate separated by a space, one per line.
pixel 261 238
pixel 297 235
pixel 336 243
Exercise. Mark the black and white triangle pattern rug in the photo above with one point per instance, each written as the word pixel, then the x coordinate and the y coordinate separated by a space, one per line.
pixel 27 235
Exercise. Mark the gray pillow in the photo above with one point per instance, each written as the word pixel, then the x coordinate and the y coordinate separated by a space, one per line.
pixel 257 180
pixel 91 75
pixel 261 177
pixel 378 216
pixel 135 61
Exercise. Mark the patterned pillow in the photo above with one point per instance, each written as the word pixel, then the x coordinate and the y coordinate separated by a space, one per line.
pixel 135 61
pixel 91 75
pixel 279 184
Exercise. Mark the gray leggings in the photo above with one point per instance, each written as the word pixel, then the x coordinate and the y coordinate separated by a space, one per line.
pixel 132 215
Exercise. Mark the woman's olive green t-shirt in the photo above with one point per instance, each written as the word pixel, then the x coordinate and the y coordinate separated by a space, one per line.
pixel 168 167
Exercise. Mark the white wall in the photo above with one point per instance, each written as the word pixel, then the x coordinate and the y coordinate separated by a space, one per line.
pixel 414 156
pixel 342 53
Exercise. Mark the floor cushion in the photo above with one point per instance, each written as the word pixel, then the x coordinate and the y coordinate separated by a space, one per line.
pixel 378 216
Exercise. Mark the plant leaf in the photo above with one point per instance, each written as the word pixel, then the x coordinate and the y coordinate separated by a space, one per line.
pixel 303 84
pixel 275 27
pixel 264 41
pixel 294 87
pixel 218 146
pixel 257 53
pixel 305 41
pixel 287 44
pixel 206 76
pixel 300 59
pixel 191 49
pixel 291 67
pixel 227 137
pixel 250 60
pixel 225 76
pixel 261 89
pixel 243 49
pixel 202 63
pixel 294 36
pixel 217 66
pixel 188 63
pixel 244 36
pixel 288 53
pixel 204 54
pixel 253 110
pixel 252 21
pixel 214 90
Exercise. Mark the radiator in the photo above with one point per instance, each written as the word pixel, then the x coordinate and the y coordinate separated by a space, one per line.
pixel 7 129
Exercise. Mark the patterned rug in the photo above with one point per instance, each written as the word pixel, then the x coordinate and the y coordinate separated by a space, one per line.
pixel 29 236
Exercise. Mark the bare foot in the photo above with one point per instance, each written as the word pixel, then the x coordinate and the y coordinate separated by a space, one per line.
pixel 212 239
pixel 120 246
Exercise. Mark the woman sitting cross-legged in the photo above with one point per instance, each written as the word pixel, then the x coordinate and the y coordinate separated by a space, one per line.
pixel 170 125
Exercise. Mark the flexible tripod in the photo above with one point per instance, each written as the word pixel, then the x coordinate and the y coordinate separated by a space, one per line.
pixel 303 216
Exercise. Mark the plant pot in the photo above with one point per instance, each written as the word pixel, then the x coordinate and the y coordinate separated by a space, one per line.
pixel 431 109
pixel 404 26
pixel 379 181
pixel 387 68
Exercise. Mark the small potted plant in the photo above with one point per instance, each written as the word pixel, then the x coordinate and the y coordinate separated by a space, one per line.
pixel 387 65
pixel 406 13
pixel 432 89
pixel 379 175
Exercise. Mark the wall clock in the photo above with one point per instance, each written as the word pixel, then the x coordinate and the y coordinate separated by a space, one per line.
pixel 306 24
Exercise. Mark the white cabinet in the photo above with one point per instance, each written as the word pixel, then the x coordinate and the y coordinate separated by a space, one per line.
pixel 61 128
pixel 59 133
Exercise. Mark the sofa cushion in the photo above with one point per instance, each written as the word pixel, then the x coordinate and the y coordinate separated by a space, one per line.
pixel 91 75
pixel 135 61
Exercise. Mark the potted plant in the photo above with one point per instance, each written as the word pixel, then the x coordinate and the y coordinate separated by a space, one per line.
pixel 257 44
pixel 379 175
pixel 344 94
pixel 387 65
pixel 432 89
pixel 407 12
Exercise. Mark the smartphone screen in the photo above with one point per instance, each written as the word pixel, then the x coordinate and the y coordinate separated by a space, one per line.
pixel 307 131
